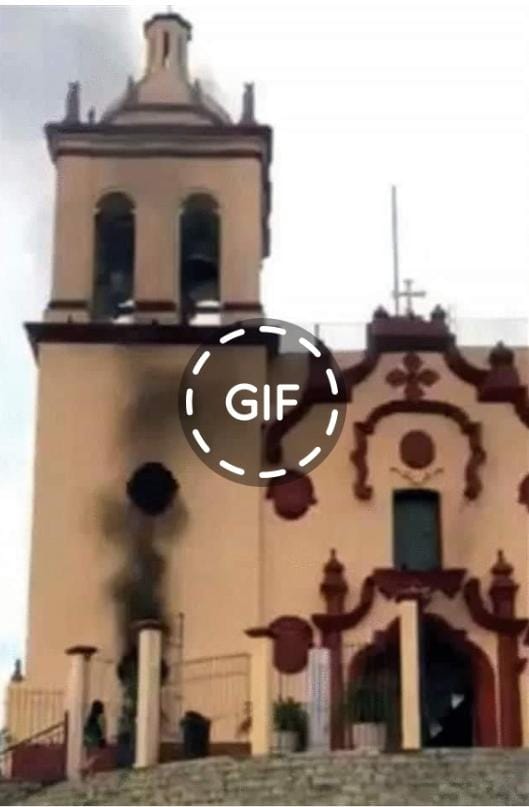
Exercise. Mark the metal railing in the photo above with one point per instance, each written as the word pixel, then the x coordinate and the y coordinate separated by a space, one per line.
pixel 29 711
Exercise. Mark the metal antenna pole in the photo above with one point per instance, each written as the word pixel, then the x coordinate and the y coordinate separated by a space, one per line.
pixel 395 244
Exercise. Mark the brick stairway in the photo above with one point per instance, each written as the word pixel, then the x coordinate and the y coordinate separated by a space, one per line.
pixel 479 776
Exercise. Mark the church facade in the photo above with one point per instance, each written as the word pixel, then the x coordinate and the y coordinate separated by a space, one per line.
pixel 405 553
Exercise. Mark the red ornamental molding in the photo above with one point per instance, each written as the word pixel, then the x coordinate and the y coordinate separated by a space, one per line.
pixel 503 589
pixel 334 586
pixel 523 491
pixel 334 589
pixel 417 449
pixel 330 623
pixel 471 429
pixel 393 583
pixel 292 494
pixel 503 594
pixel 413 378
pixel 499 383
pixel 292 637
pixel 485 618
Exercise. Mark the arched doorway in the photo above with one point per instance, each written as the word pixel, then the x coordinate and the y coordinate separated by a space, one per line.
pixel 373 691
pixel 458 692
pixel 447 692
pixel 458 700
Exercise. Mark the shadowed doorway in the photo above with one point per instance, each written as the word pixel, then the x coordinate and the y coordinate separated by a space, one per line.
pixel 447 691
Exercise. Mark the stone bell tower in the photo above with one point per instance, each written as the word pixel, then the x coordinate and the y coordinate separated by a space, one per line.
pixel 161 226
pixel 162 204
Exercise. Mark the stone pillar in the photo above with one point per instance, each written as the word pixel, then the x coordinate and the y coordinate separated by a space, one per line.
pixel 410 670
pixel 319 699
pixel 149 684
pixel 261 695
pixel 76 706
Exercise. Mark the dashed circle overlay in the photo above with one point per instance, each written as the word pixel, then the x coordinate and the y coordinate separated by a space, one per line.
pixel 306 462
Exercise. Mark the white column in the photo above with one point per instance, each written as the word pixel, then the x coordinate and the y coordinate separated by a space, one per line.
pixel 410 673
pixel 319 699
pixel 149 673
pixel 261 695
pixel 76 707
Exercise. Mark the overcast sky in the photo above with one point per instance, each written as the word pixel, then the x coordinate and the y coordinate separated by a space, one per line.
pixel 432 95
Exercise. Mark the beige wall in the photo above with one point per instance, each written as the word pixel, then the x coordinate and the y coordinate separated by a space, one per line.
pixel 233 562
pixel 361 531
pixel 158 187
pixel 102 412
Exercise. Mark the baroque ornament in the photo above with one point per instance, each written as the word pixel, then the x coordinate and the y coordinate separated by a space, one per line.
pixel 413 377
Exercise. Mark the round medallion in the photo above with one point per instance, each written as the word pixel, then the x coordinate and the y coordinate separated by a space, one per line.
pixel 417 449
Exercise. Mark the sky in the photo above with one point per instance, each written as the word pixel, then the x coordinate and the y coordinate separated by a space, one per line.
pixel 430 95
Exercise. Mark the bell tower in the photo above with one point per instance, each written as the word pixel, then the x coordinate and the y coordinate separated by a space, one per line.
pixel 162 204
pixel 161 227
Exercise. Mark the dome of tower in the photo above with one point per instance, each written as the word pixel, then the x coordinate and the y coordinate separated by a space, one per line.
pixel 166 93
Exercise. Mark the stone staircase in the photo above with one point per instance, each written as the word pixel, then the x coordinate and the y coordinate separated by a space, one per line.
pixel 478 776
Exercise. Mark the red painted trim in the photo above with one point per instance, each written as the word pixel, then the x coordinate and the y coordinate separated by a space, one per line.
pixel 509 668
pixel 471 429
pixel 523 491
pixel 109 333
pixel 385 334
pixel 334 585
pixel 357 373
pixel 393 583
pixel 417 449
pixel 334 589
pixel 258 633
pixel 39 762
pixel 329 623
pixel 292 637
pixel 502 593
pixel 462 368
pixel 413 376
pixel 292 494
pixel 388 334
pixel 334 643
pixel 486 619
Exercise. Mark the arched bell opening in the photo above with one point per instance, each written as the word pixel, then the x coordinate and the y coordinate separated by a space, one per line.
pixel 199 254
pixel 114 257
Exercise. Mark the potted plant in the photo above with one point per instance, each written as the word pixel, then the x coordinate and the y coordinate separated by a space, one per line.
pixel 368 710
pixel 290 723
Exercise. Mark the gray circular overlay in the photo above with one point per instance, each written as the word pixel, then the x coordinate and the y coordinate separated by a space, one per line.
pixel 260 398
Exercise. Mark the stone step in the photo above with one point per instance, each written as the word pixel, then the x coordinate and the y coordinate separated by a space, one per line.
pixel 475 776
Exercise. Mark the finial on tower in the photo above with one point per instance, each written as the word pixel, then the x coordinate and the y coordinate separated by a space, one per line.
pixel 131 91
pixel 73 103
pixel 248 104
pixel 197 92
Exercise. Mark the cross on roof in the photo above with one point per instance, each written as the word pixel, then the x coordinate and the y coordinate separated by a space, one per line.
pixel 409 294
